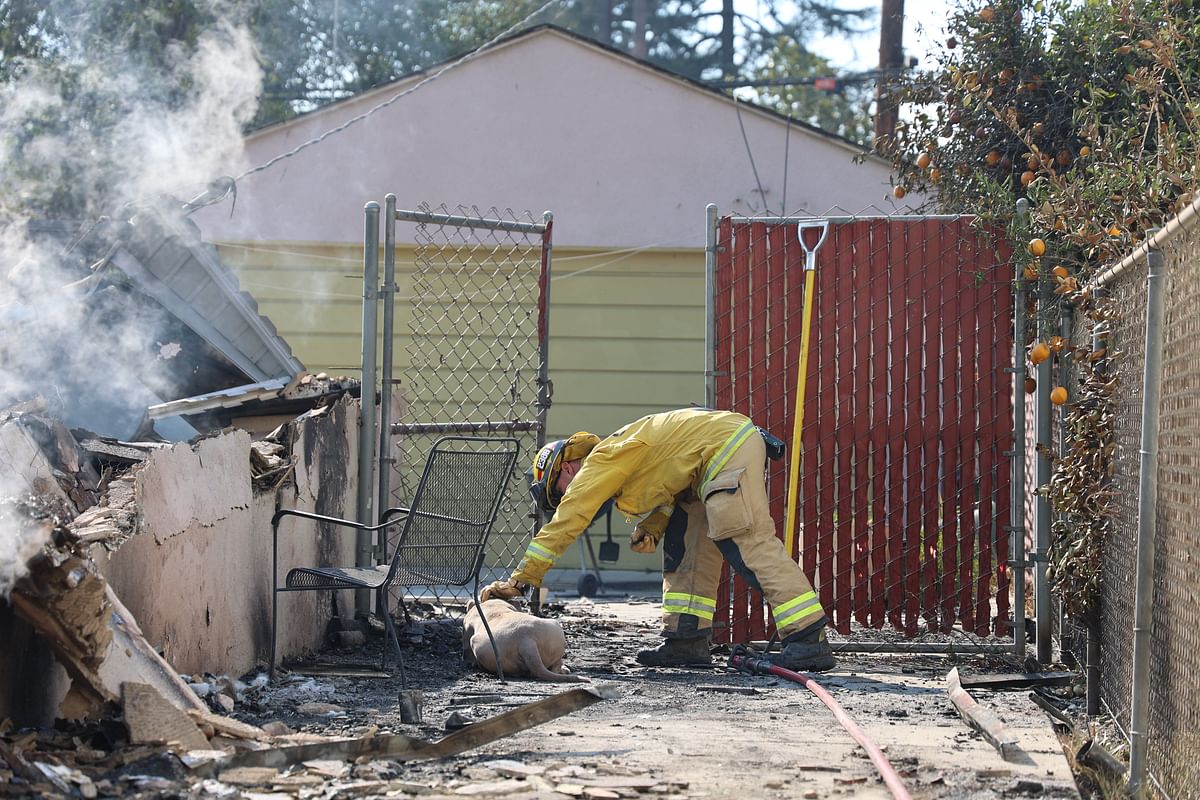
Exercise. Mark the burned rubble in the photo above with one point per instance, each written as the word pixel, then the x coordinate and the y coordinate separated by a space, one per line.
pixel 129 723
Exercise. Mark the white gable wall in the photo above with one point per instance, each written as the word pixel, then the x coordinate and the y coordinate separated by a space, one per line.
pixel 623 154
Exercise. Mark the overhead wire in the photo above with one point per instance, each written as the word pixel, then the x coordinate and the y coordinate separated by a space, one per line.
pixel 424 81
pixel 746 140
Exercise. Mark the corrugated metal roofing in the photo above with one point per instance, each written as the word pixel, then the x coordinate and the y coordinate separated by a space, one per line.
pixel 171 263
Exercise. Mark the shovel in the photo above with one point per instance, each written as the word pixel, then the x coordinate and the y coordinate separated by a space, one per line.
pixel 610 551
pixel 821 229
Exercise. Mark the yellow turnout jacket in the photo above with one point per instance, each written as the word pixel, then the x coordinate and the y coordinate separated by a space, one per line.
pixel 643 467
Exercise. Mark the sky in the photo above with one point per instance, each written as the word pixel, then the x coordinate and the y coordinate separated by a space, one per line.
pixel 923 21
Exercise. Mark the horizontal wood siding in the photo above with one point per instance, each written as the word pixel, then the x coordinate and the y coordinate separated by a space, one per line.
pixel 626 331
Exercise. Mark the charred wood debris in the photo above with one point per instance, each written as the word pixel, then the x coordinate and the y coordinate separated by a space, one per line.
pixel 129 724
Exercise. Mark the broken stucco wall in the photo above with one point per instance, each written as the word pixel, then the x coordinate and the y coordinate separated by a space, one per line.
pixel 169 554
pixel 197 577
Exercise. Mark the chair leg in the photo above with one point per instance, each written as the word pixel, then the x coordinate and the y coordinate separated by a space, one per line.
pixel 492 639
pixel 391 635
pixel 274 633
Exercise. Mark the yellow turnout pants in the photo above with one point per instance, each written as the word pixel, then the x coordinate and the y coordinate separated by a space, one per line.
pixel 732 521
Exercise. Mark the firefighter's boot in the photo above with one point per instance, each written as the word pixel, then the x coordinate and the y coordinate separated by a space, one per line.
pixel 693 650
pixel 806 652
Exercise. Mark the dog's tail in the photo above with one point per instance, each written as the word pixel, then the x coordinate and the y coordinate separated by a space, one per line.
pixel 531 660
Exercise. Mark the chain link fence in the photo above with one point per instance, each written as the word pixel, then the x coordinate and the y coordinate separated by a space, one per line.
pixel 1172 744
pixel 471 311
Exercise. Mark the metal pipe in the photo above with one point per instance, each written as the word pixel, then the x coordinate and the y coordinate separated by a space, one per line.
pixel 489 426
pixel 1093 754
pixel 1043 416
pixel 545 388
pixel 710 322
pixel 363 547
pixel 1063 372
pixel 1092 663
pixel 1017 508
pixel 1143 610
pixel 942 648
pixel 835 219
pixel 1183 221
pixel 459 221
pixel 387 298
pixel 545 397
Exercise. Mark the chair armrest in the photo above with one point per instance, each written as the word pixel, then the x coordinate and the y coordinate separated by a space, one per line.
pixel 387 518
pixel 392 514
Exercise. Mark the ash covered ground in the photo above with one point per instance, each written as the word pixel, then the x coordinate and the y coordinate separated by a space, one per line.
pixel 665 733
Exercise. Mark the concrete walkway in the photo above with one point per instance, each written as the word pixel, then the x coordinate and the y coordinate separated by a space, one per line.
pixel 716 733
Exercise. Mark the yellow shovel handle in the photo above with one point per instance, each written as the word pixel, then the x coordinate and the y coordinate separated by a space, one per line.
pixel 801 380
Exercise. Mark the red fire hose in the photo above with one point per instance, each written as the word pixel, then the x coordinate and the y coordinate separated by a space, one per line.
pixel 740 661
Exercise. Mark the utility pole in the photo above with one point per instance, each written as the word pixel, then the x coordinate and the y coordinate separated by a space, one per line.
pixel 891 62
pixel 727 19
pixel 641 16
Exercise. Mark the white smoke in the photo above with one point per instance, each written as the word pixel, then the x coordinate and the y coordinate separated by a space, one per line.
pixel 184 150
pixel 145 145
pixel 20 540
pixel 161 148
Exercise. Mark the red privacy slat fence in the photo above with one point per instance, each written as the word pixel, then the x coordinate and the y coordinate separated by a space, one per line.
pixel 903 492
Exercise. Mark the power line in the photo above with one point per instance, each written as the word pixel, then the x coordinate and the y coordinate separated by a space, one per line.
pixel 353 120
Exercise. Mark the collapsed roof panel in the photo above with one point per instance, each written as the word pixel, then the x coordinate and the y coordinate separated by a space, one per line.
pixel 158 317
pixel 172 264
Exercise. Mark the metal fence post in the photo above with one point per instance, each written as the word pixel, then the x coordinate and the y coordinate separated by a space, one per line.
pixel 363 549
pixel 1100 334
pixel 1042 424
pixel 1146 523
pixel 1017 513
pixel 710 323
pixel 387 297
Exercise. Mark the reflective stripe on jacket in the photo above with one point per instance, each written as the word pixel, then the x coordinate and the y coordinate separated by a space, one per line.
pixel 644 465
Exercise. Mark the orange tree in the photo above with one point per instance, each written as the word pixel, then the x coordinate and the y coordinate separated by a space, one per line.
pixel 1087 110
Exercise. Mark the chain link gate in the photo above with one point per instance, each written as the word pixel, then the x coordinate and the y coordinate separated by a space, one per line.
pixel 474 344
pixel 904 486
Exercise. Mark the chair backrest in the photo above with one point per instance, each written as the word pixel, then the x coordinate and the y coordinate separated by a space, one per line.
pixel 443 538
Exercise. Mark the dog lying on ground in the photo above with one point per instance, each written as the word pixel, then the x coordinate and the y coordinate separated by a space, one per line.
pixel 529 646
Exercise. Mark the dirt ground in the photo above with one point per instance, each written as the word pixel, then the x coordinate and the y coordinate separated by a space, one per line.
pixel 667 733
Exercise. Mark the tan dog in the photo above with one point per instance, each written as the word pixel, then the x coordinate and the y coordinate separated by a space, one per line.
pixel 528 645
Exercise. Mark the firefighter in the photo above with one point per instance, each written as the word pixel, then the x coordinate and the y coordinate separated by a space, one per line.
pixel 696 479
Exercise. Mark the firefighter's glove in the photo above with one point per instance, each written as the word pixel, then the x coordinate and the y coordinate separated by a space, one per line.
pixel 502 590
pixel 644 538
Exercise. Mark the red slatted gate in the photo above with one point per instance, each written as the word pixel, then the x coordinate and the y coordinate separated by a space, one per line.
pixel 903 494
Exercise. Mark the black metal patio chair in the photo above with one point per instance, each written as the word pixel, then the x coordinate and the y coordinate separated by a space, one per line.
pixel 442 540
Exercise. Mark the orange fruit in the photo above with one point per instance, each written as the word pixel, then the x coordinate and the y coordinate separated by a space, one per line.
pixel 1030 386
pixel 1030 272
pixel 1085 151
pixel 1057 343
pixel 1063 158
pixel 899 192
pixel 992 158
pixel 1036 247
pixel 1039 353
pixel 1058 395
pixel 923 160
pixel 935 175
pixel 1027 178
pixel 1060 271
